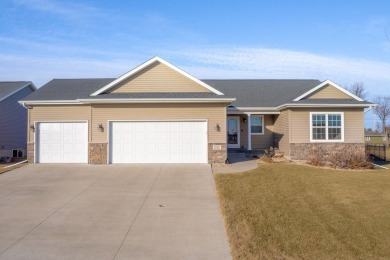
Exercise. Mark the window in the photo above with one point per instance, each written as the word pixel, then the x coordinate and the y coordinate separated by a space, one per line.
pixel 257 124
pixel 367 138
pixel 326 127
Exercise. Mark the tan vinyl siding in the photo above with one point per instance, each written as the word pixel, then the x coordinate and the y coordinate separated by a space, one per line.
pixel 158 78
pixel 376 140
pixel 264 141
pixel 329 92
pixel 213 113
pixel 258 141
pixel 282 131
pixel 58 113
pixel 353 124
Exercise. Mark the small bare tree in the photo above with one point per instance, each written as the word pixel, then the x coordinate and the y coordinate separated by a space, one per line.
pixel 358 89
pixel 382 110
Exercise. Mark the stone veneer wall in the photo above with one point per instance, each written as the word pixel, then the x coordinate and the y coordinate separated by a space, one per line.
pixel 30 152
pixel 303 151
pixel 217 152
pixel 97 153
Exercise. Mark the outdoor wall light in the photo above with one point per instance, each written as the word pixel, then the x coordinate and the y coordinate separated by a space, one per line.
pixel 32 128
pixel 217 127
pixel 244 119
pixel 101 128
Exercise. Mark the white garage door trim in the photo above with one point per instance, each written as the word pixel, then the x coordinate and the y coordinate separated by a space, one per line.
pixel 37 141
pixel 109 136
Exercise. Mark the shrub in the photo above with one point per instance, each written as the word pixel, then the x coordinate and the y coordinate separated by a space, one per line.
pixel 350 158
pixel 347 158
pixel 266 158
pixel 317 157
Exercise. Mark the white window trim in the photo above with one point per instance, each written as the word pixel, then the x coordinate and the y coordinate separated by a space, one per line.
pixel 262 124
pixel 326 127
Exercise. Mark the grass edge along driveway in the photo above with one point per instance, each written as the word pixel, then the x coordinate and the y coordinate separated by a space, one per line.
pixel 287 211
pixel 3 169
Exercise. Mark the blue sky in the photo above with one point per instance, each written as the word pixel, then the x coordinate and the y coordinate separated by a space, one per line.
pixel 343 41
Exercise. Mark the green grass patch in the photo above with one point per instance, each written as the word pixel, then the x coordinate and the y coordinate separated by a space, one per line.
pixel 285 211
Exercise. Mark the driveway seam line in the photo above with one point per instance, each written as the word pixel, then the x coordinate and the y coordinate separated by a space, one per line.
pixel 139 210
pixel 55 211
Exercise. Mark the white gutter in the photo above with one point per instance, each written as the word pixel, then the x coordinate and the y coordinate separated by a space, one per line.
pixel 370 108
pixel 237 112
pixel 322 105
pixel 253 108
pixel 158 100
pixel 128 100
pixel 48 102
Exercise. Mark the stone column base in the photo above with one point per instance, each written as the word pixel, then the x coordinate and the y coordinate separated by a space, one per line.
pixel 97 153
pixel 217 153
pixel 30 152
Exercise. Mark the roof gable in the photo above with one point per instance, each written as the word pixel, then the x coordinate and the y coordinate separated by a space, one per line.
pixel 156 75
pixel 328 89
pixel 9 88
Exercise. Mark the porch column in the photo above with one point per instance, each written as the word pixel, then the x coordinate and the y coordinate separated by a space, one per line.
pixel 249 132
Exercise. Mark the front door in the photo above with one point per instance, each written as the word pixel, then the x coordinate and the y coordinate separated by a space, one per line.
pixel 233 132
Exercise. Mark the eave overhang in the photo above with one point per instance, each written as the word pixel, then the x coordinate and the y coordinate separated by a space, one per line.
pixel 124 101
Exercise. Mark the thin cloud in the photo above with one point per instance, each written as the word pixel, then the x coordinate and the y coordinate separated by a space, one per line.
pixel 65 9
pixel 275 63
pixel 59 48
pixel 217 62
pixel 40 69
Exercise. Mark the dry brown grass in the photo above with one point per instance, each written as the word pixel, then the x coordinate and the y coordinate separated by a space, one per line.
pixel 285 211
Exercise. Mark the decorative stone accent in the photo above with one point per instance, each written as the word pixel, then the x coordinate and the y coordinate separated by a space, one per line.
pixel 303 151
pixel 30 152
pixel 217 152
pixel 97 153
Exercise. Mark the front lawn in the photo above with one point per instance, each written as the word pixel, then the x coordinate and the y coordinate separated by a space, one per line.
pixel 286 211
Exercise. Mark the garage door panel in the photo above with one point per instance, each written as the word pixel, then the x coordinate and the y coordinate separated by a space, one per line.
pixel 158 142
pixel 128 138
pixel 139 137
pixel 62 142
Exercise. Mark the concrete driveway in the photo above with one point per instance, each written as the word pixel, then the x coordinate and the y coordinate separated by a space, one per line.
pixel 111 212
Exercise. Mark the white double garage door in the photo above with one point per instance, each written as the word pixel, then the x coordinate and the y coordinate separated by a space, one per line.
pixel 128 142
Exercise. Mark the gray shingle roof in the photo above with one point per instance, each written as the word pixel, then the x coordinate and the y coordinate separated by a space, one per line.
pixel 7 87
pixel 68 89
pixel 262 92
pixel 248 93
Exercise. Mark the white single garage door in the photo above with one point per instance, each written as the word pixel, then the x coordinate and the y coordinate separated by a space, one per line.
pixel 158 142
pixel 60 142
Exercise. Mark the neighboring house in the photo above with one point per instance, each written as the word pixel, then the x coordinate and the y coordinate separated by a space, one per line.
pixel 13 117
pixel 374 137
pixel 157 113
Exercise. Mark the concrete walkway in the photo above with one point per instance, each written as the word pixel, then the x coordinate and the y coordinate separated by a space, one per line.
pixel 111 212
pixel 239 162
